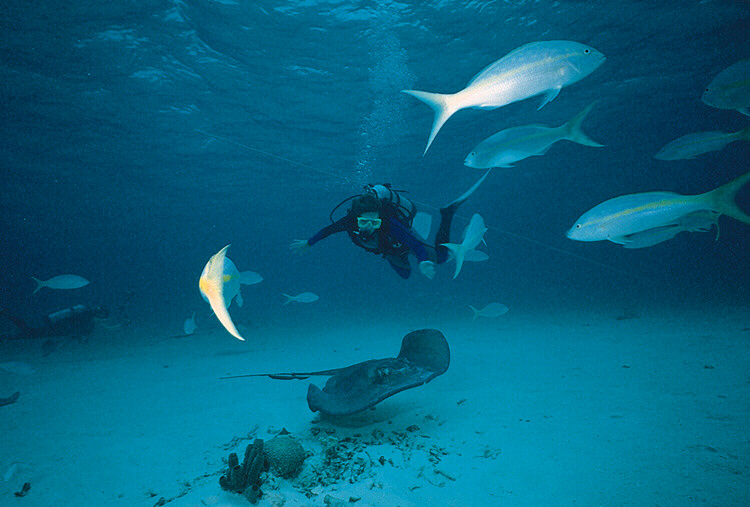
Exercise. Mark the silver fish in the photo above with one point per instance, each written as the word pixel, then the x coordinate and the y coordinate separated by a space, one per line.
pixel 517 143
pixel 536 68
pixel 492 310
pixel 700 221
pixel 634 213
pixel 305 297
pixel 698 143
pixel 61 282
pixel 730 89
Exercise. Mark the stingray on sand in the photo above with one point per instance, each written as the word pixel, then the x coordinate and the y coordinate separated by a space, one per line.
pixel 424 355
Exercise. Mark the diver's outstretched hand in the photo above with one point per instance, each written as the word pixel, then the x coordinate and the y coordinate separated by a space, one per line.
pixel 299 246
pixel 427 268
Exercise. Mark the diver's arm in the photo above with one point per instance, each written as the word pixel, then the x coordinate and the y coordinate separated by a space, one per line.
pixel 345 223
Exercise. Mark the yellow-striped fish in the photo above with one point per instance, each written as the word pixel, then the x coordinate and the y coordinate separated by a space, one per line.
pixel 730 89
pixel 634 213
pixel 532 69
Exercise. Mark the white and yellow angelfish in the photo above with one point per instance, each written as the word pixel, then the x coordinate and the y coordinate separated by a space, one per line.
pixel 216 283
pixel 623 216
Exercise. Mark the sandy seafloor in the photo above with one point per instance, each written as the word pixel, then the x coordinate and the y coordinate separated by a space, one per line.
pixel 536 409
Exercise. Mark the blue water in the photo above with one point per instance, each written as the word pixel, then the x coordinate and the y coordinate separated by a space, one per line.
pixel 139 138
pixel 111 169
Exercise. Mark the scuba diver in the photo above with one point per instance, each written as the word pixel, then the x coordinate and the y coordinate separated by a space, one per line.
pixel 379 221
pixel 77 320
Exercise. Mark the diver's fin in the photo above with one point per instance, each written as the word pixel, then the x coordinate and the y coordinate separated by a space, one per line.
pixel 422 224
pixel 456 203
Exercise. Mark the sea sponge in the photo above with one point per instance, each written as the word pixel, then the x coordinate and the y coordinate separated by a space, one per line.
pixel 284 454
pixel 245 478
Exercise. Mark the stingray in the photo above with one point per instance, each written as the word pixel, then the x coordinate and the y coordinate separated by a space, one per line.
pixel 424 355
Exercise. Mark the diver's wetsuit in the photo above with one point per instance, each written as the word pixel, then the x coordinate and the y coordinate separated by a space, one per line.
pixel 395 240
pixel 75 321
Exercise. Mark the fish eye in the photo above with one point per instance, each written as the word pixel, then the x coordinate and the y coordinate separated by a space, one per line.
pixel 586 51
pixel 578 226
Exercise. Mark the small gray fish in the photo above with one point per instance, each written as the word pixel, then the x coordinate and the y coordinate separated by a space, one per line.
pixel 305 297
pixel 61 282
pixel 698 143
pixel 189 326
pixel 492 310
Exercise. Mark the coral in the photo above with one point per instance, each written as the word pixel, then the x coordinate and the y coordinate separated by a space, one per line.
pixel 245 478
pixel 285 455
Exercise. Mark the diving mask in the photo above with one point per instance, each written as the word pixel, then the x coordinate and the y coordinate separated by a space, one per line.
pixel 369 223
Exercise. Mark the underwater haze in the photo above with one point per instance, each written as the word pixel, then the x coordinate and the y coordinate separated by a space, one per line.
pixel 139 138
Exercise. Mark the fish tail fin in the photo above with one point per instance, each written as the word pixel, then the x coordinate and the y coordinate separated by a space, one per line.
pixel 39 284
pixel 441 104
pixel 575 131
pixel 457 250
pixel 476 313
pixel 288 298
pixel 723 198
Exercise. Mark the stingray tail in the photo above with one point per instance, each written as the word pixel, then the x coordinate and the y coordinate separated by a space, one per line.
pixel 443 106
